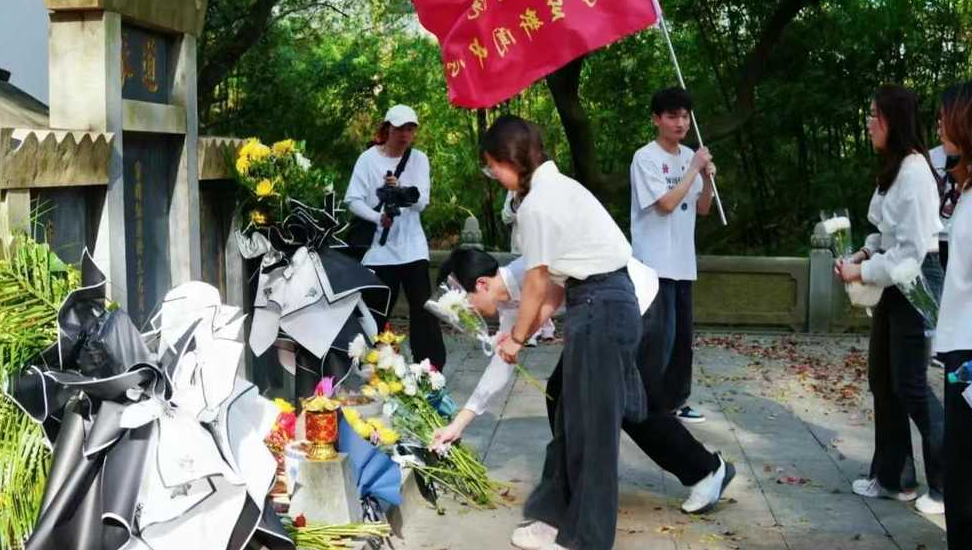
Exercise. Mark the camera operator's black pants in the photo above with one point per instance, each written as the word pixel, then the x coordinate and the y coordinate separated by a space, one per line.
pixel 661 436
pixel 424 333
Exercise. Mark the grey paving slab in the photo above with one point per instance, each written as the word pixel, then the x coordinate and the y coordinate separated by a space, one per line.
pixel 796 450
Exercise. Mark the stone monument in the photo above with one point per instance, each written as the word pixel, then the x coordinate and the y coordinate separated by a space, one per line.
pixel 117 167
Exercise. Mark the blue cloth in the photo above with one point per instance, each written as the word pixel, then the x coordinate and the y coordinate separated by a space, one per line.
pixel 375 473
pixel 443 403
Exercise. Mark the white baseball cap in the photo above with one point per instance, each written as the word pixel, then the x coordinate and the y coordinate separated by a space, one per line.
pixel 400 115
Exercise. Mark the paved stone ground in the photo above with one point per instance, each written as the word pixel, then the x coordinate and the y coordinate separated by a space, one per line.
pixel 792 412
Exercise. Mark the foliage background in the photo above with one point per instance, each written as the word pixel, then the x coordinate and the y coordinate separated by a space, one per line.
pixel 325 72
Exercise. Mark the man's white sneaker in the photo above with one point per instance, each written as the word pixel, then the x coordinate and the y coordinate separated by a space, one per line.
pixel 872 489
pixel 533 536
pixel 706 493
pixel 929 504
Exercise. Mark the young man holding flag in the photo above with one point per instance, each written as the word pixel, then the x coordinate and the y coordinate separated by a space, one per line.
pixel 670 186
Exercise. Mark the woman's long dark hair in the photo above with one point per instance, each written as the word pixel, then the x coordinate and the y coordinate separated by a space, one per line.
pixel 898 107
pixel 466 265
pixel 957 126
pixel 517 142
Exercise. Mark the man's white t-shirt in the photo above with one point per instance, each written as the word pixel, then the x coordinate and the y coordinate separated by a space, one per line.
pixel 664 242
pixel 406 240
pixel 561 225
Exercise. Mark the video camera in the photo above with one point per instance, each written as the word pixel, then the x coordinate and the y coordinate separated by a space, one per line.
pixel 391 200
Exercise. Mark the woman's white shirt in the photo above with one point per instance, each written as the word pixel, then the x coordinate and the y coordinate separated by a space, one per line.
pixel 406 239
pixel 954 331
pixel 561 225
pixel 907 220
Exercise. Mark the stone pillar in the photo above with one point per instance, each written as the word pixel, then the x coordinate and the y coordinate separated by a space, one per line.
pixel 85 94
pixel 184 216
pixel 471 236
pixel 129 68
pixel 820 307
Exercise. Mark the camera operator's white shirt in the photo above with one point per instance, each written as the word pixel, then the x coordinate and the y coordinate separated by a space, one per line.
pixel 664 242
pixel 498 373
pixel 406 240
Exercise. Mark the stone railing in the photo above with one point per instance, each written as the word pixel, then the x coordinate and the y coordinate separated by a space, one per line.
pixel 750 292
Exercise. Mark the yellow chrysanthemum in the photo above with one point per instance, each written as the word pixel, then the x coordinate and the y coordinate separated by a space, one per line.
pixel 389 337
pixel 258 217
pixel 387 436
pixel 372 357
pixel 254 150
pixel 259 152
pixel 351 415
pixel 369 391
pixel 383 389
pixel 376 423
pixel 374 381
pixel 363 429
pixel 283 405
pixel 247 148
pixel 243 165
pixel 283 148
pixel 264 188
pixel 395 387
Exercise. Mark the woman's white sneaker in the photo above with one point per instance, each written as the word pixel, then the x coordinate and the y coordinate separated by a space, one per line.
pixel 929 504
pixel 706 493
pixel 869 487
pixel 533 536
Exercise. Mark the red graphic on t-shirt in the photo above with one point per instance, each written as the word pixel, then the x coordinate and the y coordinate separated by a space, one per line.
pixel 664 168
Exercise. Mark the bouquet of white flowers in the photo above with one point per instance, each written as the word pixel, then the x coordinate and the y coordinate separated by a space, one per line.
pixel 908 278
pixel 409 391
pixel 838 226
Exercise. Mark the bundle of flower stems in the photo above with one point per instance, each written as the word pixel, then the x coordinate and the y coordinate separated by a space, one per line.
pixel 335 537
pixel 456 468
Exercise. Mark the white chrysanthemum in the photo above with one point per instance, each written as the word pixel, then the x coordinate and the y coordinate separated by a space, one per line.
pixel 357 348
pixel 389 408
pixel 416 370
pixel 834 225
pixel 303 161
pixel 438 380
pixel 386 357
pixel 453 300
pixel 410 387
pixel 906 272
pixel 401 368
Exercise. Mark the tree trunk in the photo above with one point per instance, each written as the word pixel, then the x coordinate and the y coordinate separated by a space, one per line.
pixel 220 62
pixel 564 85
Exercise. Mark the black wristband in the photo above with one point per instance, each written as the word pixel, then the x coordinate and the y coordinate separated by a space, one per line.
pixel 517 340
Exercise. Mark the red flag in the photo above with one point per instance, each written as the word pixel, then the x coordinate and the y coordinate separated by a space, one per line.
pixel 493 49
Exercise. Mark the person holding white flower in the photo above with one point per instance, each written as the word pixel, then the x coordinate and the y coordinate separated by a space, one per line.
pixel 495 291
pixel 904 208
pixel 403 260
pixel 572 250
pixel 953 341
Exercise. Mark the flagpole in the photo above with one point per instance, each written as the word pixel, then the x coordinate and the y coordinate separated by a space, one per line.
pixel 695 125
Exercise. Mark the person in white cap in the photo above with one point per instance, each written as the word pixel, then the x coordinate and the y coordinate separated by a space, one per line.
pixel 402 258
